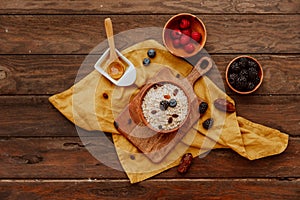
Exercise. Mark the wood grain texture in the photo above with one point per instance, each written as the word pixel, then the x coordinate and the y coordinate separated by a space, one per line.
pixel 147 7
pixel 50 74
pixel 35 116
pixel 158 189
pixel 68 158
pixel 24 116
pixel 79 34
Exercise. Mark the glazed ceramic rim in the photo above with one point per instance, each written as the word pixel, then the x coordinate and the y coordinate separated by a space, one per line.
pixel 261 75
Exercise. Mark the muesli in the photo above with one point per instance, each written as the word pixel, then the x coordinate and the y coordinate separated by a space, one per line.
pixel 165 106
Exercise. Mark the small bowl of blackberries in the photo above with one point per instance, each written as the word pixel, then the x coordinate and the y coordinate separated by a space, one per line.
pixel 244 74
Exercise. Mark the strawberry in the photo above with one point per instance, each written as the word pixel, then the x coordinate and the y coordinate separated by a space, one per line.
pixel 184 39
pixel 176 43
pixel 186 32
pixel 176 33
pixel 184 23
pixel 196 36
pixel 189 48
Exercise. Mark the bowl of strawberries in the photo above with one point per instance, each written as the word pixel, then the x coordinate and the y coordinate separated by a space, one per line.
pixel 184 35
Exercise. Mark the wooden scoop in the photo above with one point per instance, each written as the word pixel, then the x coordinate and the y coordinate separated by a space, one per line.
pixel 115 67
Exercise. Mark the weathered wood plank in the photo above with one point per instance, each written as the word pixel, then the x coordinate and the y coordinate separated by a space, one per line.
pixel 79 34
pixel 67 158
pixel 157 189
pixel 147 7
pixel 50 74
pixel 34 116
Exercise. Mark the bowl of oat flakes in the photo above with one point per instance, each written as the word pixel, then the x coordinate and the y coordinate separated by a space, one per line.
pixel 165 107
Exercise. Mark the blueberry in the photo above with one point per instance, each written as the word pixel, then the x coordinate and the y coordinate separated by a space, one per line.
pixel 203 107
pixel 146 61
pixel 172 103
pixel 163 105
pixel 151 53
pixel 207 124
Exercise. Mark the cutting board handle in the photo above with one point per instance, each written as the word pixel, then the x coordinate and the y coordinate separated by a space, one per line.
pixel 202 67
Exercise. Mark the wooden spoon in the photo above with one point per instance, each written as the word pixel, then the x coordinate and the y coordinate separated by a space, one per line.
pixel 115 67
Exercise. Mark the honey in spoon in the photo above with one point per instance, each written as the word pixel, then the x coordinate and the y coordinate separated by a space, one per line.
pixel 115 70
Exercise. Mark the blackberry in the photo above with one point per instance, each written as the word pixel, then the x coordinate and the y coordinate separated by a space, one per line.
pixel 252 63
pixel 235 67
pixel 172 103
pixel 244 73
pixel 207 124
pixel 256 80
pixel 232 78
pixel 146 61
pixel 203 107
pixel 151 53
pixel 252 73
pixel 241 83
pixel 243 62
pixel 163 105
pixel 250 86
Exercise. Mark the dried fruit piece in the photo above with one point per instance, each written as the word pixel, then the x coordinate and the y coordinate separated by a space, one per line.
pixel 203 107
pixel 175 115
pixel 224 105
pixel 185 163
pixel 153 112
pixel 170 120
pixel 207 124
pixel 105 96
pixel 175 92
pixel 167 96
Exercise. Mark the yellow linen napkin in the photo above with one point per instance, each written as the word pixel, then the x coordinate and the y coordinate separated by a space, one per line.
pixel 86 106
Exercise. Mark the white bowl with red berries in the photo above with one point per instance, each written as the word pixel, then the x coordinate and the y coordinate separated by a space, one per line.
pixel 184 35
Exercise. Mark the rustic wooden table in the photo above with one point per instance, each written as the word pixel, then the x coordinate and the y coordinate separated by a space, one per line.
pixel 42 45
